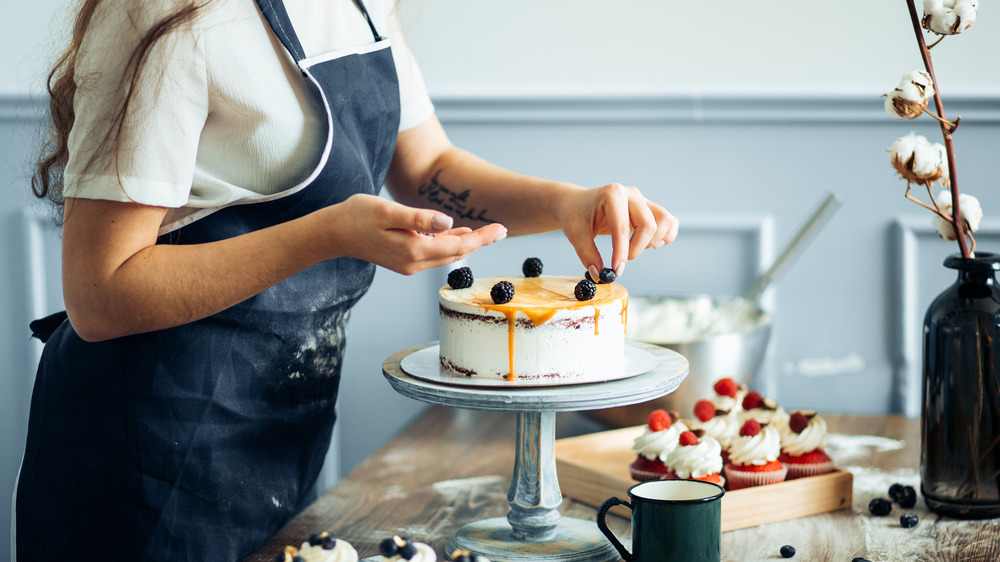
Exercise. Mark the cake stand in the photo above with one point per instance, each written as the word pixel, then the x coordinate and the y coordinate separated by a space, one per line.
pixel 534 529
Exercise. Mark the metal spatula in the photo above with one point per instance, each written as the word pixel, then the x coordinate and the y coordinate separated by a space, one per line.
pixel 741 310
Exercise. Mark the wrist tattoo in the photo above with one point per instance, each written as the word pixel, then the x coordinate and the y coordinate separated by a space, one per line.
pixel 455 203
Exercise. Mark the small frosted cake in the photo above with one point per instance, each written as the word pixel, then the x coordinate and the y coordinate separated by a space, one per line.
pixel 718 424
pixel 753 457
pixel 658 440
pixel 533 328
pixel 397 548
pixel 321 547
pixel 697 457
pixel 802 442
pixel 763 409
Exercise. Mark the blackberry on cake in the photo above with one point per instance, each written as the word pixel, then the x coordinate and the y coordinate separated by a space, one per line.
pixel 585 290
pixel 460 278
pixel 532 267
pixel 502 292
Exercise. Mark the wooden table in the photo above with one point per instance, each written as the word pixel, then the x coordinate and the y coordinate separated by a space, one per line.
pixel 452 466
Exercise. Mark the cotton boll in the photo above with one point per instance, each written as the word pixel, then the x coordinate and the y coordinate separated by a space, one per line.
pixel 909 99
pixel 972 214
pixel 917 160
pixel 949 17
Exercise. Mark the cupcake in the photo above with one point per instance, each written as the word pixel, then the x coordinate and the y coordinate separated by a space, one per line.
pixel 802 442
pixel 753 457
pixel 321 547
pixel 718 424
pixel 729 395
pixel 764 410
pixel 462 555
pixel 697 457
pixel 663 429
pixel 402 548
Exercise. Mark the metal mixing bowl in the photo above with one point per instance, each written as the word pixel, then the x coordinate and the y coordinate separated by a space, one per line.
pixel 733 348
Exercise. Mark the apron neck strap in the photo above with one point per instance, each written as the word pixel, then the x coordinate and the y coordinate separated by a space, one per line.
pixel 277 17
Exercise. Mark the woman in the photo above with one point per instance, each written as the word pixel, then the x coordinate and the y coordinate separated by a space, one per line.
pixel 221 164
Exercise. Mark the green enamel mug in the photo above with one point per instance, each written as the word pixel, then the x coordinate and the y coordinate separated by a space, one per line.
pixel 671 520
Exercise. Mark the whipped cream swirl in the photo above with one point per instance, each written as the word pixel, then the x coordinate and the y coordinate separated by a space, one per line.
pixel 342 551
pixel 424 554
pixel 696 461
pixel 757 450
pixel 656 445
pixel 722 427
pixel 811 438
pixel 776 417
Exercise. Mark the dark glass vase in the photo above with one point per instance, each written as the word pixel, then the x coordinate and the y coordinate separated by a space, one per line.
pixel 960 429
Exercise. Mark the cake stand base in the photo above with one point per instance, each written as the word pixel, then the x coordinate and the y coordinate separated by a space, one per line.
pixel 573 540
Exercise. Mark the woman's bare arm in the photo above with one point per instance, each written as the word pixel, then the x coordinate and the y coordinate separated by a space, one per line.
pixel 117 281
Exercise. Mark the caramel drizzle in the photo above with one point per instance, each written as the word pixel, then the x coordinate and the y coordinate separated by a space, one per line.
pixel 534 291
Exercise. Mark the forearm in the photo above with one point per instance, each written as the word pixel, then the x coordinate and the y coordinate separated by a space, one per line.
pixel 476 192
pixel 161 286
pixel 429 172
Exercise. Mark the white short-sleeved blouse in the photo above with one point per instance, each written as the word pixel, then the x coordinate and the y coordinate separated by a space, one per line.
pixel 221 115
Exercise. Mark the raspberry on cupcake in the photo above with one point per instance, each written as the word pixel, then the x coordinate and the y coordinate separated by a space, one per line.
pixel 697 457
pixel 718 424
pixel 661 436
pixel 763 409
pixel 729 395
pixel 802 442
pixel 753 457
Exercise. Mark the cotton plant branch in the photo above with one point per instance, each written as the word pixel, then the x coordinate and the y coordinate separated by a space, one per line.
pixel 946 131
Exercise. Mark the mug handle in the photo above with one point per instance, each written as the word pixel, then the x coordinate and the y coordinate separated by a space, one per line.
pixel 603 526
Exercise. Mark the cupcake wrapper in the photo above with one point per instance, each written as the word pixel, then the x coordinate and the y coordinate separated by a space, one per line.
pixel 801 470
pixel 646 475
pixel 739 479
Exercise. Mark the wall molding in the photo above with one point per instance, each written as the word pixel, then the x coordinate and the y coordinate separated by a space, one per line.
pixel 651 109
pixel 907 346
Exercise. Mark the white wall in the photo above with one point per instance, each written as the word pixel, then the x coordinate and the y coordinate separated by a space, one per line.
pixel 594 47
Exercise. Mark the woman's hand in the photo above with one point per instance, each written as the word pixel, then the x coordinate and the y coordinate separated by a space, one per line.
pixel 394 236
pixel 634 223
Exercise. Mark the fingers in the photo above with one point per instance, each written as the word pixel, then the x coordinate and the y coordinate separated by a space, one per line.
pixel 446 248
pixel 616 211
pixel 666 227
pixel 643 223
pixel 420 220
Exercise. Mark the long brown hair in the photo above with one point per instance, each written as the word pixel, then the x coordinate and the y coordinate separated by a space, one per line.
pixel 47 181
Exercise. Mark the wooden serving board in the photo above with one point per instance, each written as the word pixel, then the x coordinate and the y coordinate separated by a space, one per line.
pixel 594 467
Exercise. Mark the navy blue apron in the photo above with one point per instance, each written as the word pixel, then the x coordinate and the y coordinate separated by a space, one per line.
pixel 199 442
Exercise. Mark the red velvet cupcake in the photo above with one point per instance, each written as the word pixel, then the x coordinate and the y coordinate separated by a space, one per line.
pixel 802 443
pixel 661 436
pixel 753 457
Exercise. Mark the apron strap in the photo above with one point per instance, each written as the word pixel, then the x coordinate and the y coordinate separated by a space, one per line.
pixel 277 17
pixel 44 327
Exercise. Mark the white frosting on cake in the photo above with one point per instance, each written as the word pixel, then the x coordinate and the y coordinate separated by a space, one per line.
pixel 809 439
pixel 656 445
pixel 424 554
pixel 696 461
pixel 542 332
pixel 341 552
pixel 757 450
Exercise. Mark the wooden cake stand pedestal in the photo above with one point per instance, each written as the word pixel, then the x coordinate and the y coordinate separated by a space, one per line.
pixel 534 529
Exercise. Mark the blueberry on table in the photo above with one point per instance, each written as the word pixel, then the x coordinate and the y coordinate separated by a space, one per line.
pixel 880 507
pixel 787 551
pixel 859 559
pixel 388 548
pixel 905 496
pixel 909 520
